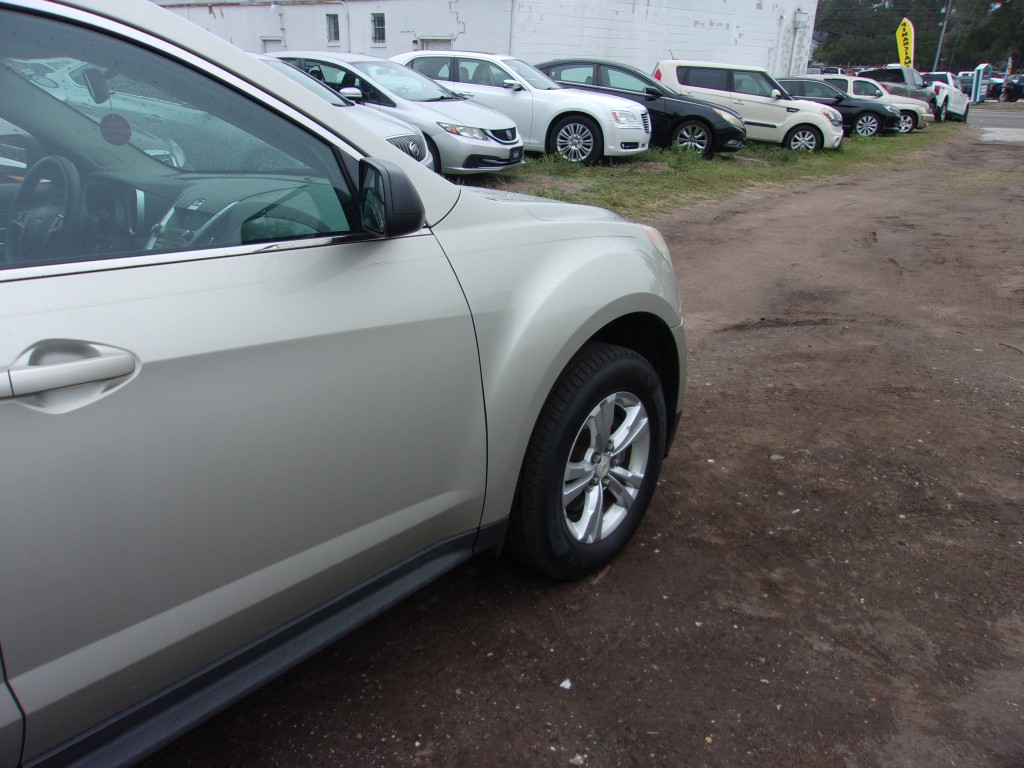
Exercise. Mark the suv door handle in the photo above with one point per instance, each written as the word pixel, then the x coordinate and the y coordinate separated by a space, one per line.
pixel 32 379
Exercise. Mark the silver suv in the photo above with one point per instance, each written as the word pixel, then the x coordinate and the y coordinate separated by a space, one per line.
pixel 249 401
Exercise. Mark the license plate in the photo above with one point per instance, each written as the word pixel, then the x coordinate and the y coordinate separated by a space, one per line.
pixel 516 154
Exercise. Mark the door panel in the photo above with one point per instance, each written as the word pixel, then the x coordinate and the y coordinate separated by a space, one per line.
pixel 10 729
pixel 220 405
pixel 277 444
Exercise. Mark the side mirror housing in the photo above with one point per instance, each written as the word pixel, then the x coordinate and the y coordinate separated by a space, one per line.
pixel 351 93
pixel 776 93
pixel 389 205
pixel 652 93
pixel 514 85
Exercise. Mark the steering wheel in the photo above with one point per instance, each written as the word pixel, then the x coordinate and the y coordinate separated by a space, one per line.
pixel 43 220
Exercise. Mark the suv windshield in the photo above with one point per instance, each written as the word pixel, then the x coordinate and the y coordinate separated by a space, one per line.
pixel 404 82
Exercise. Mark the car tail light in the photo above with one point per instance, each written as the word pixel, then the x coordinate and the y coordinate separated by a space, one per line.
pixel 657 73
pixel 936 89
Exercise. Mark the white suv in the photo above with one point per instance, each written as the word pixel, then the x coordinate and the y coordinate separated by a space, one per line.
pixel 578 125
pixel 768 112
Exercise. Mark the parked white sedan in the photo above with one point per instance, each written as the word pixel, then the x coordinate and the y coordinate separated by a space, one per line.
pixel 578 125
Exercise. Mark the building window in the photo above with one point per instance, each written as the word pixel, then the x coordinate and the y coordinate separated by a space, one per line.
pixel 377 28
pixel 333 30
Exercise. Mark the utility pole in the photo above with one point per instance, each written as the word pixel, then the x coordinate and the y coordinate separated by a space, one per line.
pixel 942 34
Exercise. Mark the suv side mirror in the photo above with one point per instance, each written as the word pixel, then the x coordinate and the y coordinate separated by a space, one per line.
pixel 351 92
pixel 652 93
pixel 776 93
pixel 96 83
pixel 389 205
pixel 515 85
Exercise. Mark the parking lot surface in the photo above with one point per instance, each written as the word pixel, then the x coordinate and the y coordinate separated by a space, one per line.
pixel 830 573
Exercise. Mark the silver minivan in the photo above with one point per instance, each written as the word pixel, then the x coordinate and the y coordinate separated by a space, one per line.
pixel 252 397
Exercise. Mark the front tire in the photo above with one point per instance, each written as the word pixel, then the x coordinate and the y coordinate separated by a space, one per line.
pixel 867 124
pixel 908 122
pixel 804 137
pixel 591 465
pixel 577 139
pixel 435 156
pixel 693 134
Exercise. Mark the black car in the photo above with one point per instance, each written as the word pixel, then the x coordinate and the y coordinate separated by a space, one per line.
pixel 860 116
pixel 1006 88
pixel 675 120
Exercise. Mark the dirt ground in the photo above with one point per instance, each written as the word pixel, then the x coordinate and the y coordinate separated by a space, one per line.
pixel 831 572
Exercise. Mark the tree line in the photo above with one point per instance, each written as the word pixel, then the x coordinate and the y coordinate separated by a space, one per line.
pixel 863 32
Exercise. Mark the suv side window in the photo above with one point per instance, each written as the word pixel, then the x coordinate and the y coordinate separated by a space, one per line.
pixel 841 83
pixel 127 152
pixel 861 88
pixel 751 83
pixel 704 77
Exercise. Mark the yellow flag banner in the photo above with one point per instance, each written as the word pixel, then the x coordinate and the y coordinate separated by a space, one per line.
pixel 905 42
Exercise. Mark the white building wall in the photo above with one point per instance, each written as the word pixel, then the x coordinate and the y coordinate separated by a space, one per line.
pixel 774 34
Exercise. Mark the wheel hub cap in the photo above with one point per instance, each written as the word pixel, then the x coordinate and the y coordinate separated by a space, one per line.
pixel 606 467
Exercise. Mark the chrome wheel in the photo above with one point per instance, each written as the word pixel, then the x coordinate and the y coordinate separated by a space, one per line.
pixel 867 125
pixel 591 465
pixel 606 467
pixel 692 135
pixel 576 140
pixel 907 122
pixel 804 138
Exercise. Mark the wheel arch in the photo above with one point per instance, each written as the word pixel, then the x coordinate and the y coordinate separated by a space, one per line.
pixel 549 137
pixel 804 126
pixel 680 120
pixel 648 336
pixel 641 331
pixel 575 274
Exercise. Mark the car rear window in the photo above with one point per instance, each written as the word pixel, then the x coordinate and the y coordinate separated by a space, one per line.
pixel 434 67
pixel 884 75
